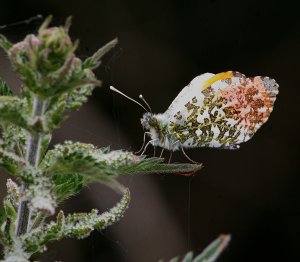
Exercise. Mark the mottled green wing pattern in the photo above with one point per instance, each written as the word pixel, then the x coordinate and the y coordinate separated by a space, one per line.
pixel 232 110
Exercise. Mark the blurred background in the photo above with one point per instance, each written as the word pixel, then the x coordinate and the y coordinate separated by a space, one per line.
pixel 252 193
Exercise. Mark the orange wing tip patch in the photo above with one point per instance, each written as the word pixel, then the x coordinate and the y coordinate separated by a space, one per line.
pixel 250 102
pixel 217 77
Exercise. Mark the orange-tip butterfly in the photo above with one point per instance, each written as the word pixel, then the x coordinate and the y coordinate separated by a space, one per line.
pixel 215 110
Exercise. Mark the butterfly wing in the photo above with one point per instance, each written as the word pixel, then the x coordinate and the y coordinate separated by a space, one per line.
pixel 221 110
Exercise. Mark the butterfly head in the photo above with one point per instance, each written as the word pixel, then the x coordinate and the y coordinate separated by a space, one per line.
pixel 156 126
pixel 149 121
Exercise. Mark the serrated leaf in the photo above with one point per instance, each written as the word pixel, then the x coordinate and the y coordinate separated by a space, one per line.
pixel 66 185
pixel 104 166
pixel 5 89
pixel 12 110
pixel 55 114
pixel 11 162
pixel 13 139
pixel 78 96
pixel 77 225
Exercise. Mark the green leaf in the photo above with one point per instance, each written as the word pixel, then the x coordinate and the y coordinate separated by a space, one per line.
pixel 156 165
pixel 78 96
pixel 95 60
pixel 104 166
pixel 13 193
pixel 11 162
pixel 9 209
pixel 2 217
pixel 188 257
pixel 4 43
pixel 55 113
pixel 78 225
pixel 5 89
pixel 46 23
pixel 210 253
pixel 13 138
pixel 13 110
pixel 66 185
pixel 213 251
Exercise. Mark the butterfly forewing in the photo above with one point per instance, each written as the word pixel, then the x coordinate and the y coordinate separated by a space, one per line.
pixel 221 110
pixel 187 94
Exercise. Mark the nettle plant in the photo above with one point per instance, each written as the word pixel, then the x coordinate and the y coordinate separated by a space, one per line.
pixel 54 82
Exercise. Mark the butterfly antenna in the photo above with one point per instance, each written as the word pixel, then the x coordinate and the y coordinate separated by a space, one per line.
pixel 119 92
pixel 144 100
pixel 27 21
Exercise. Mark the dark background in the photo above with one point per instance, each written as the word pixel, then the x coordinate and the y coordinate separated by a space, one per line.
pixel 252 193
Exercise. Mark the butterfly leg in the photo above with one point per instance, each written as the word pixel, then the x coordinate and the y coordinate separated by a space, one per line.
pixel 195 162
pixel 144 140
pixel 154 151
pixel 161 153
pixel 145 148
pixel 171 152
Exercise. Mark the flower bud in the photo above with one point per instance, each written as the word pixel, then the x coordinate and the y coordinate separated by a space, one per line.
pixel 56 47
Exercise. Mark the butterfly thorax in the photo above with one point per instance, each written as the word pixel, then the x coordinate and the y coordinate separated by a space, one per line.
pixel 157 126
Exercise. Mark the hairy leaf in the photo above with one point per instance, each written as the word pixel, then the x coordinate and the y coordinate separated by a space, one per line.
pixel 5 89
pixel 13 110
pixel 66 185
pixel 210 253
pixel 95 60
pixel 4 43
pixel 11 162
pixel 78 225
pixel 102 165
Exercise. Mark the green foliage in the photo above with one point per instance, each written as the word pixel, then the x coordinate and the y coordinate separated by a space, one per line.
pixel 210 253
pixel 13 193
pixel 102 165
pixel 13 110
pixel 78 225
pixel 95 60
pixel 11 162
pixel 55 81
pixel 66 185
pixel 5 89
pixel 4 43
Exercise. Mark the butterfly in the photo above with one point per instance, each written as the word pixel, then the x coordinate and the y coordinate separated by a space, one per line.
pixel 214 110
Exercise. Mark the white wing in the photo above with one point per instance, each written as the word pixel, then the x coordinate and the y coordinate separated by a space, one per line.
pixel 221 110
pixel 187 94
pixel 197 90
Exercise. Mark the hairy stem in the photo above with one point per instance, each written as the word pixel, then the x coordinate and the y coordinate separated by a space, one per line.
pixel 34 141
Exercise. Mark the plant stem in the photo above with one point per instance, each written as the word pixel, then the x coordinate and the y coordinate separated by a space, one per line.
pixel 34 142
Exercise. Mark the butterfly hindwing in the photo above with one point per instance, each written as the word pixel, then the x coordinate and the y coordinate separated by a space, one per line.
pixel 221 110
